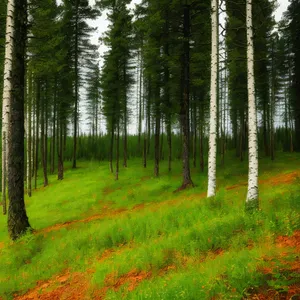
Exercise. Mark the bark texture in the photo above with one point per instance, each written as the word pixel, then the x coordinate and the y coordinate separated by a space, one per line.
pixel 252 195
pixel 9 39
pixel 18 222
pixel 212 154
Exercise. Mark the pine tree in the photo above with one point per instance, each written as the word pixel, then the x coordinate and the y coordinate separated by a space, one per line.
pixel 76 15
pixel 17 218
pixel 293 15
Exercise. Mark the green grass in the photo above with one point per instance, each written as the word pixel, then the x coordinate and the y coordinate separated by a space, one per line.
pixel 182 230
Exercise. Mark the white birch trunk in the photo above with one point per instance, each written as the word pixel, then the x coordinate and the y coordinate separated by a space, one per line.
pixel 252 195
pixel 212 155
pixel 6 94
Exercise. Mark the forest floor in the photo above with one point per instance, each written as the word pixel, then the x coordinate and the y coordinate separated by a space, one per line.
pixel 97 238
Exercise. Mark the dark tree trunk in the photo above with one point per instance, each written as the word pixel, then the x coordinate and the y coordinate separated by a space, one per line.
pixel 53 131
pixel 60 159
pixel 140 105
pixel 125 124
pixel 161 152
pixel 265 130
pixel 17 221
pixel 156 136
pixel 194 134
pixel 201 141
pixel 169 140
pixel 117 152
pixel 43 140
pixel 33 139
pixel 148 120
pixel 76 87
pixel 29 135
pixel 38 99
pixel 184 105
pixel 112 136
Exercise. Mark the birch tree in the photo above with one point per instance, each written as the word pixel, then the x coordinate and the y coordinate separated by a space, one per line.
pixel 6 94
pixel 252 195
pixel 212 154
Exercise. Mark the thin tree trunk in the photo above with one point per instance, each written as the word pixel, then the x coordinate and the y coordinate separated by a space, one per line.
pixel 60 160
pixel 29 142
pixel 194 112
pixel 161 153
pixel 185 99
pixel 145 139
pixel 140 103
pixel 111 149
pixel 125 124
pixel 53 131
pixel 76 87
pixel 148 120
pixel 17 222
pixel 169 141
pixel 265 130
pixel 201 143
pixel 43 142
pixel 117 152
pixel 156 137
pixel 252 195
pixel 212 154
pixel 37 113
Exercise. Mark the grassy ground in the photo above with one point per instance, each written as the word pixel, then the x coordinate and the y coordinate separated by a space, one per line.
pixel 96 238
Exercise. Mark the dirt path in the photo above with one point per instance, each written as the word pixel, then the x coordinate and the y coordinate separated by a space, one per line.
pixel 274 180
pixel 76 286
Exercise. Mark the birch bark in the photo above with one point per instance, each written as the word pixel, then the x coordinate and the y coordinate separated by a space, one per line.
pixel 252 195
pixel 212 154
pixel 9 37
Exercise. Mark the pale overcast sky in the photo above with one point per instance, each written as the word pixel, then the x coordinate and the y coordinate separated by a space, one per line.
pixel 102 22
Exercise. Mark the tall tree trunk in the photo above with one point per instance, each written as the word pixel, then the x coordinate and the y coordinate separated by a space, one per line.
pixel 184 103
pixel 76 87
pixel 157 132
pixel 17 218
pixel 43 140
pixel 252 195
pixel 54 130
pixel 145 135
pixel 60 159
pixel 241 150
pixel 125 123
pixel 212 154
pixel 148 120
pixel 265 128
pixel 140 101
pixel 194 112
pixel 112 136
pixel 201 140
pixel 117 151
pixel 169 141
pixel 29 140
pixel 33 136
pixel 161 151
pixel 7 90
pixel 37 127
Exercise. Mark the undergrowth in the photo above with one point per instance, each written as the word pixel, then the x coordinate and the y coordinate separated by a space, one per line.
pixel 194 248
